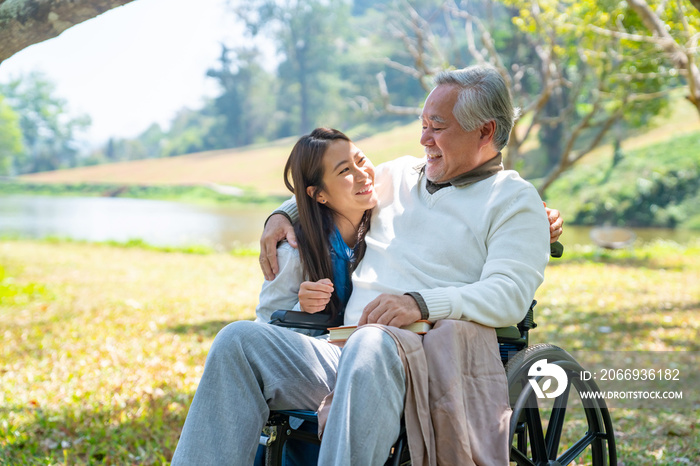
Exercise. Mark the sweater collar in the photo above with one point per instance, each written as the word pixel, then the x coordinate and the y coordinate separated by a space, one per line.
pixel 483 171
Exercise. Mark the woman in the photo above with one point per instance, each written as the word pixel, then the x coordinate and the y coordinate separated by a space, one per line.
pixel 333 183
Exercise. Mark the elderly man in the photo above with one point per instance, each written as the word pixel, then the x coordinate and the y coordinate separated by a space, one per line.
pixel 453 237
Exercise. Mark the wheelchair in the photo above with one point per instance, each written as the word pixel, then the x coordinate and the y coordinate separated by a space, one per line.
pixel 542 431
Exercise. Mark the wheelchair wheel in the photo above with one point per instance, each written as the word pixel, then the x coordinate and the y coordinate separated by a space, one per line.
pixel 560 427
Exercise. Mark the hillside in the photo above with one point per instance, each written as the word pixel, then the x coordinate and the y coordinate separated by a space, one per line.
pixel 257 167
pixel 655 183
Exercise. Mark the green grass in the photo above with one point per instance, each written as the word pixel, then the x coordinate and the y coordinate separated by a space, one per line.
pixel 104 345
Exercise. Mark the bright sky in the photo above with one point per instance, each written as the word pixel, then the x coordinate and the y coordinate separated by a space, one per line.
pixel 134 65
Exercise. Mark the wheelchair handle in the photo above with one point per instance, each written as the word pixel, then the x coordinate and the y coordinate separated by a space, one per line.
pixel 556 249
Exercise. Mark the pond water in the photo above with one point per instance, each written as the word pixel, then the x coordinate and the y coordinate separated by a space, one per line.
pixel 164 223
pixel 159 223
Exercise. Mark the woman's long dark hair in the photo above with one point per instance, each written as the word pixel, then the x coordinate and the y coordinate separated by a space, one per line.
pixel 304 168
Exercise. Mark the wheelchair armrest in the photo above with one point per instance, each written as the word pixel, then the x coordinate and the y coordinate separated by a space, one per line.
pixel 508 334
pixel 297 319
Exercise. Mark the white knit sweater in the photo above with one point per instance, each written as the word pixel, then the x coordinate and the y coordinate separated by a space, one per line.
pixel 473 253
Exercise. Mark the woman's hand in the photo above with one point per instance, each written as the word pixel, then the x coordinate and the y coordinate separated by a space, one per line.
pixel 314 296
pixel 277 228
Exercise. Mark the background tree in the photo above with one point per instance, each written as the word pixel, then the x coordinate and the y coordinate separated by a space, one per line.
pixel 10 138
pixel 663 33
pixel 309 35
pixel 189 132
pixel 592 76
pixel 571 87
pixel 246 107
pixel 26 22
pixel 48 135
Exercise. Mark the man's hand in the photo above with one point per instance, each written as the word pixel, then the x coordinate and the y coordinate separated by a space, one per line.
pixel 556 223
pixel 278 228
pixel 314 296
pixel 389 309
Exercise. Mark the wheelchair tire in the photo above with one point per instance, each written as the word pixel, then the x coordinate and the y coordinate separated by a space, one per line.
pixel 574 427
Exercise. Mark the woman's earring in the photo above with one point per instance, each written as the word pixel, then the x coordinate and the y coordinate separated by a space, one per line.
pixel 323 201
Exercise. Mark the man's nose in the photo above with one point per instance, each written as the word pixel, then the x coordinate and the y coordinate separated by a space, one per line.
pixel 426 139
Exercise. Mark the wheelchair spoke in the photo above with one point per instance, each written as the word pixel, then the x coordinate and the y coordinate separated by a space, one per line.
pixel 556 423
pixel 534 427
pixel 572 453
pixel 519 457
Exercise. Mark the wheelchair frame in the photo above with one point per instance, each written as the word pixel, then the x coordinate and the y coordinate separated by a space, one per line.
pixel 532 444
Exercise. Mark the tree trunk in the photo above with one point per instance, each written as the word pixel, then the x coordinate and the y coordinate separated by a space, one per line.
pixel 27 22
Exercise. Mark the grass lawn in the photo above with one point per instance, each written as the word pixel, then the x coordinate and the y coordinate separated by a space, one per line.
pixel 103 346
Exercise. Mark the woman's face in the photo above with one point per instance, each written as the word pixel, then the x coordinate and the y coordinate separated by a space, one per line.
pixel 348 177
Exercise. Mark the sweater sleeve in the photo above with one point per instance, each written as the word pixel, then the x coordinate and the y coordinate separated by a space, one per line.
pixel 288 209
pixel 518 251
pixel 283 291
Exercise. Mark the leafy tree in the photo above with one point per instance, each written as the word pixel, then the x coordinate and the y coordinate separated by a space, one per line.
pixel 572 87
pixel 589 73
pixel 662 34
pixel 148 144
pixel 245 109
pixel 188 133
pixel 48 134
pixel 10 138
pixel 308 34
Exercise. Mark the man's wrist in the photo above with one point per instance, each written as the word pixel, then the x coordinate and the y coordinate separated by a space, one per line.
pixel 424 312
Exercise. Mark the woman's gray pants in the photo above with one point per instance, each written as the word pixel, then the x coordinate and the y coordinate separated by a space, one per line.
pixel 253 368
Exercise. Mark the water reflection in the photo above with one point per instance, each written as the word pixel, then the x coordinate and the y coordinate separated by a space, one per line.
pixel 582 235
pixel 120 219
pixel 174 224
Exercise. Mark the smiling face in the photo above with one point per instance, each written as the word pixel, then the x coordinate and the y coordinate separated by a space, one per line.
pixel 348 179
pixel 450 150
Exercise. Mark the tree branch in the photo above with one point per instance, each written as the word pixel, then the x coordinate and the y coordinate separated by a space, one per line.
pixel 626 35
pixel 27 22
pixel 681 59
pixel 388 107
pixel 658 28
pixel 414 73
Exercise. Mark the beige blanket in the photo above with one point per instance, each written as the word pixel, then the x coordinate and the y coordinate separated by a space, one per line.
pixel 456 408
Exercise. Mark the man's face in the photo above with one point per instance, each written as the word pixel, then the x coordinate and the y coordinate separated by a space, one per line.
pixel 450 150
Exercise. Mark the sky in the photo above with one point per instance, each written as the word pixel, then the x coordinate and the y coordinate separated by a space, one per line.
pixel 134 65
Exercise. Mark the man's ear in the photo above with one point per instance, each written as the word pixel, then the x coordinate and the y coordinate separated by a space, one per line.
pixel 488 129
pixel 487 133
